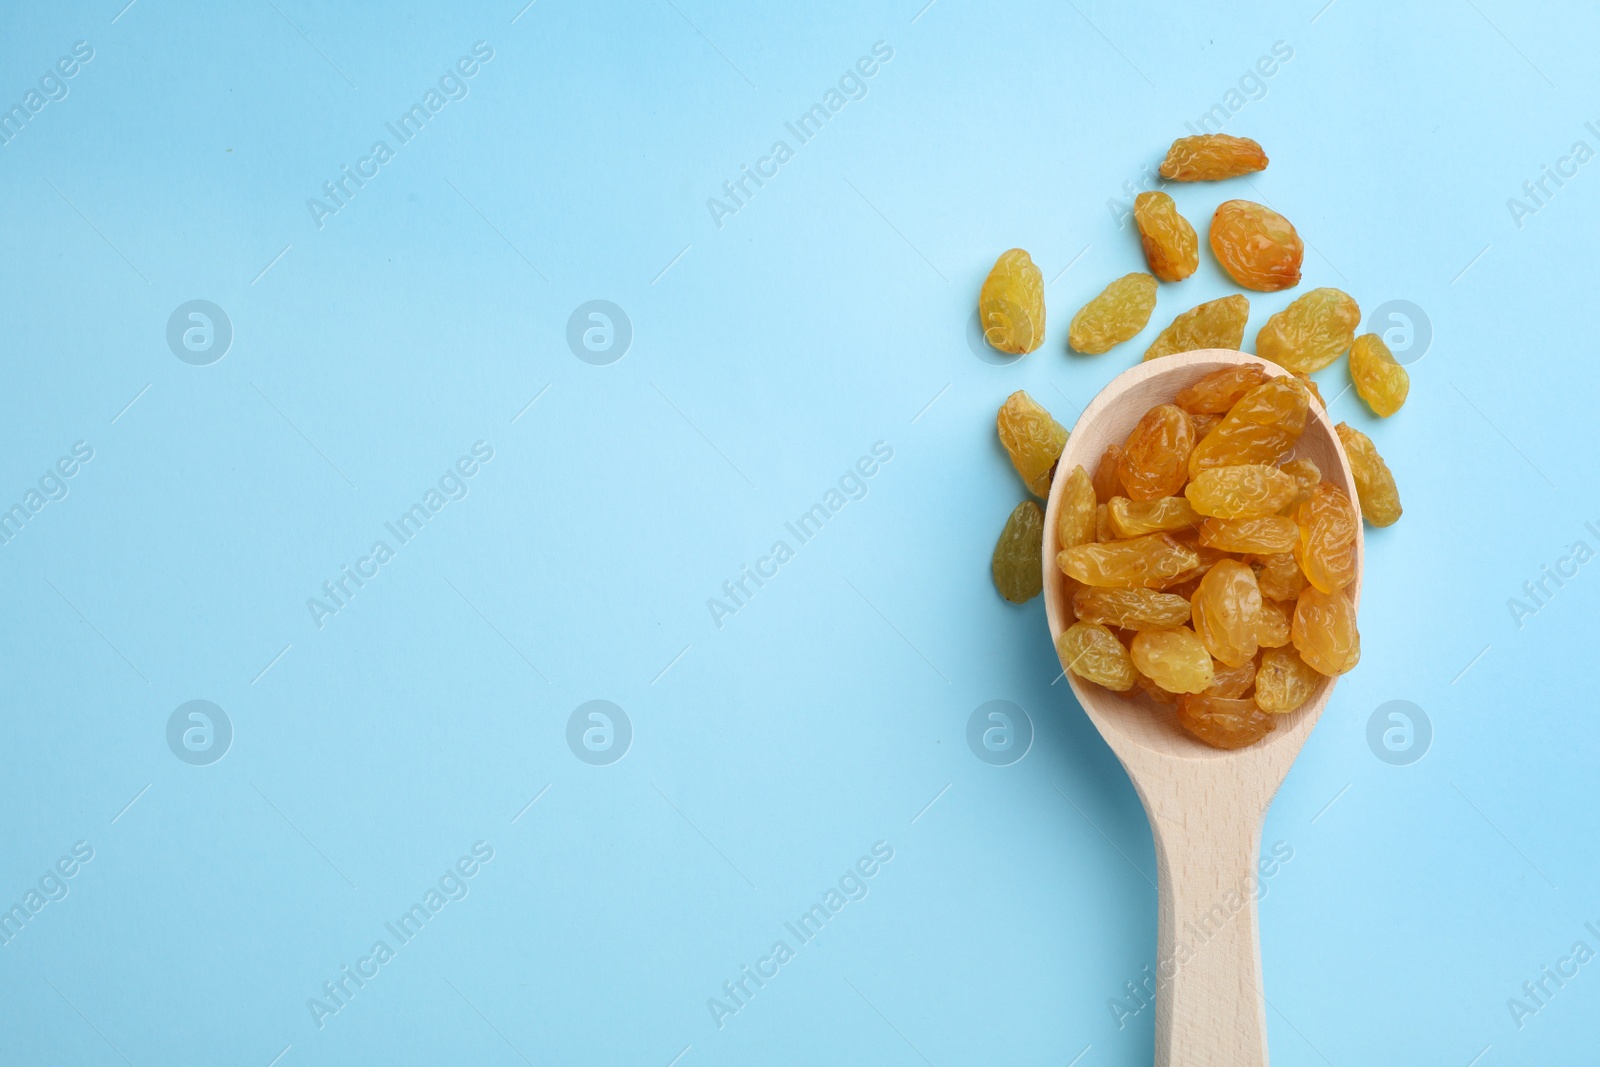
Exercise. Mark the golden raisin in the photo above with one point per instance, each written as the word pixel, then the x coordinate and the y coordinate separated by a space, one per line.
pixel 1265 536
pixel 1212 157
pixel 1121 310
pixel 1130 609
pixel 1091 651
pixel 1375 488
pixel 1380 381
pixel 1232 682
pixel 1032 438
pixel 1262 427
pixel 1325 548
pixel 1227 611
pixel 1214 324
pixel 1011 304
pixel 1155 457
pixel 1224 723
pixel 1141 562
pixel 1273 632
pixel 1312 332
pixel 1220 390
pixel 1280 577
pixel 1306 475
pixel 1245 491
pixel 1134 518
pixel 1171 246
pixel 1075 512
pixel 1283 681
pixel 1018 572
pixel 1324 631
pixel 1258 247
pixel 1174 659
pixel 1107 482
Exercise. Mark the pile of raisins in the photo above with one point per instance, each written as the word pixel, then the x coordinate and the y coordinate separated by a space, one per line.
pixel 1205 566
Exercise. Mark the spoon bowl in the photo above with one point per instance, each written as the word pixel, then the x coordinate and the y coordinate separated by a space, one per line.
pixel 1205 805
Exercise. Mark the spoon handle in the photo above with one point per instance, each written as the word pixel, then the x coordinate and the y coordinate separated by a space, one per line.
pixel 1209 1005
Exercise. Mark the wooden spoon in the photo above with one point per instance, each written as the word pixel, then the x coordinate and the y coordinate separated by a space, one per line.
pixel 1205 805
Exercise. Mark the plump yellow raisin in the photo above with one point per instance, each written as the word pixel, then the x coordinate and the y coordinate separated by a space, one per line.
pixel 1130 609
pixel 1324 631
pixel 1018 572
pixel 1227 612
pixel 1091 651
pixel 1280 577
pixel 1121 310
pixel 1075 512
pixel 1273 632
pixel 1258 247
pixel 1265 536
pixel 1155 457
pixel 1312 332
pixel 1212 157
pixel 1283 681
pixel 1011 304
pixel 1214 324
pixel 1245 491
pixel 1171 246
pixel 1307 476
pixel 1380 381
pixel 1220 390
pixel 1107 479
pixel 1174 659
pixel 1232 682
pixel 1135 518
pixel 1262 427
pixel 1325 548
pixel 1138 563
pixel 1224 723
pixel 1033 440
pixel 1375 488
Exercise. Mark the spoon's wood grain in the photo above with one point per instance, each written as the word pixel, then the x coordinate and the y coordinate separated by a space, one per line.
pixel 1205 805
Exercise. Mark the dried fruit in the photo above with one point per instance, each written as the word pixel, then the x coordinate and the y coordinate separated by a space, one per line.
pixel 1245 491
pixel 1171 246
pixel 1075 512
pixel 1283 681
pixel 1130 609
pixel 1265 536
pixel 1280 577
pixel 1011 304
pixel 1262 427
pixel 1324 632
pixel 1313 331
pixel 1258 247
pixel 1018 572
pixel 1232 682
pixel 1091 651
pixel 1375 488
pixel 1155 457
pixel 1325 548
pixel 1141 562
pixel 1273 630
pixel 1175 659
pixel 1214 324
pixel 1032 438
pixel 1227 612
pixel 1212 157
pixel 1220 390
pixel 1121 310
pixel 1224 723
pixel 1311 387
pixel 1107 482
pixel 1135 518
pixel 1307 476
pixel 1380 381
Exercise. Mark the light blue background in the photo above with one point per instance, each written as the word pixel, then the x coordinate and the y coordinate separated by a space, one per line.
pixel 768 354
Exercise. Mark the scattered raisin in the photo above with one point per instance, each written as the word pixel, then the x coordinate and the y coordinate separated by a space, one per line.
pixel 1032 438
pixel 1212 157
pixel 1214 324
pixel 1011 304
pixel 1258 247
pixel 1018 572
pixel 1312 332
pixel 1171 246
pixel 1375 488
pixel 1324 631
pixel 1121 310
pixel 1379 380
